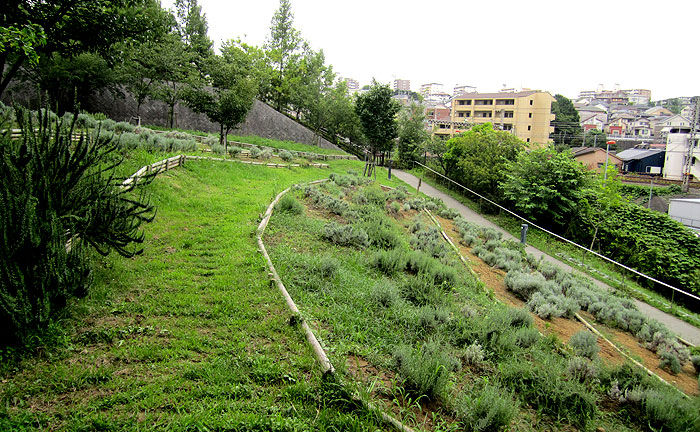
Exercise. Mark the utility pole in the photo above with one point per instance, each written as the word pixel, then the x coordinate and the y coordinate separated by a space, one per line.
pixel 691 142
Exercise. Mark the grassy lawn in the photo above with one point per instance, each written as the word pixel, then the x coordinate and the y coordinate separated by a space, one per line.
pixel 187 336
pixel 589 264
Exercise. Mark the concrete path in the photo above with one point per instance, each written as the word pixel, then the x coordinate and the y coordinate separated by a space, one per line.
pixel 678 326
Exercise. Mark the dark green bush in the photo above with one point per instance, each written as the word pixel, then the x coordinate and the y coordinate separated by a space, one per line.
pixel 55 192
pixel 289 204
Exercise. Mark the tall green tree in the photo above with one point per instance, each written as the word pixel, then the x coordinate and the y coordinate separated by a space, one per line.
pixel 377 111
pixel 284 47
pixel 567 124
pixel 193 30
pixel 228 92
pixel 546 186
pixel 174 72
pixel 70 28
pixel 595 138
pixel 478 158
pixel 412 135
pixel 342 123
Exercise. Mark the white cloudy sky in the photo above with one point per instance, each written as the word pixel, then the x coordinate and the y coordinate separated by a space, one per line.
pixel 559 46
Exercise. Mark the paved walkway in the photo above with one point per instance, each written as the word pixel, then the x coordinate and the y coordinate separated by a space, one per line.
pixel 678 326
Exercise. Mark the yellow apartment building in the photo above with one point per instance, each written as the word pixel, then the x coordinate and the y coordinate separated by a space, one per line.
pixel 527 114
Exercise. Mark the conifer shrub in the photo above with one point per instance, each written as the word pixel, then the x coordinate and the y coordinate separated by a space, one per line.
pixel 345 235
pixel 385 294
pixel 389 262
pixel 696 362
pixel 218 149
pixel 524 284
pixel 234 151
pixel 421 291
pixel 400 194
pixel 284 155
pixel 58 199
pixel 255 152
pixel 289 204
pixel 107 124
pixel 670 362
pixel 585 344
pixel 121 127
pixel 485 407
pixel 448 213
pixel 425 371
pixel 526 337
pixel 582 369
pixel 473 354
pixel 544 384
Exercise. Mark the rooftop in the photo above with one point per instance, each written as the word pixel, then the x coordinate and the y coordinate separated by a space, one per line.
pixel 637 154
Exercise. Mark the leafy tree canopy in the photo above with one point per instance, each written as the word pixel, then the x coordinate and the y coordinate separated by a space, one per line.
pixel 70 28
pixel 567 126
pixel 478 157
pixel 377 112
pixel 546 186
pixel 412 135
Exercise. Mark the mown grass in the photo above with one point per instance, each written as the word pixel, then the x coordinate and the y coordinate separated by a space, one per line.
pixel 187 336
pixel 574 257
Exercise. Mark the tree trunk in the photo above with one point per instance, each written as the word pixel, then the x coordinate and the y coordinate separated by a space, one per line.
pixel 10 73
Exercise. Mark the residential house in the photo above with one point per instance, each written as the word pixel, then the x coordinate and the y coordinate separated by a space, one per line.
pixel 648 161
pixel 658 111
pixel 594 158
pixel 527 114
pixel 592 121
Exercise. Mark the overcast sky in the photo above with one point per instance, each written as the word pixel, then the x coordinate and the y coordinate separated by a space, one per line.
pixel 557 46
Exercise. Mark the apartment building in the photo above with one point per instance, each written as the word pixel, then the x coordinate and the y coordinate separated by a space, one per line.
pixel 527 114
pixel 353 84
pixel 402 85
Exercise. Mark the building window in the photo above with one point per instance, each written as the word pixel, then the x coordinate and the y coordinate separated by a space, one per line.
pixel 507 127
pixel 460 114
pixel 529 127
pixel 529 115
pixel 483 114
pixel 484 102
pixel 528 140
pixel 531 101
pixel 508 114
pixel 464 102
pixel 505 101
